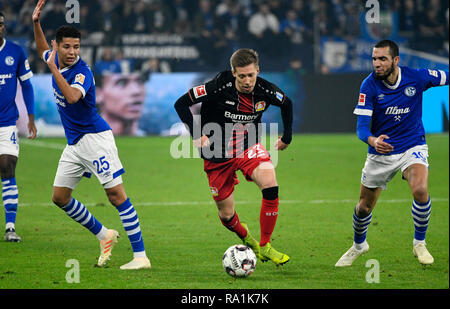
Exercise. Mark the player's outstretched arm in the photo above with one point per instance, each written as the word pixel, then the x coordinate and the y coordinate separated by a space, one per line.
pixel 39 37
pixel 287 116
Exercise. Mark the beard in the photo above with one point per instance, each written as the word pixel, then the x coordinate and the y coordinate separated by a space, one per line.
pixel 385 75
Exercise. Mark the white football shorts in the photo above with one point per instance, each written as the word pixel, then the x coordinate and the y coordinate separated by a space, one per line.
pixel 9 141
pixel 95 153
pixel 379 170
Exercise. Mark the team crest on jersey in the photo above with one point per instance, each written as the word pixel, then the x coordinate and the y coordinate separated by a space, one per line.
pixel 79 78
pixel 199 91
pixel 410 91
pixel 362 99
pixel 214 191
pixel 260 106
pixel 9 60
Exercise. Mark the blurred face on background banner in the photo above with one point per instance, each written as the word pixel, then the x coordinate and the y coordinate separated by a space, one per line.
pixel 121 100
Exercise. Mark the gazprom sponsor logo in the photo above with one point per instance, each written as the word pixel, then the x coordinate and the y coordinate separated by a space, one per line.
pixel 394 110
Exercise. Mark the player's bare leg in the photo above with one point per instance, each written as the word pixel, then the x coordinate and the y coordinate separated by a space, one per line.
pixel 226 208
pixel 265 178
pixel 128 215
pixel 10 195
pixel 230 219
pixel 417 177
pixel 361 219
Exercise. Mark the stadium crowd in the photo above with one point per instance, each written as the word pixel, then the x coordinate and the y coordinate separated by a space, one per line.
pixel 278 29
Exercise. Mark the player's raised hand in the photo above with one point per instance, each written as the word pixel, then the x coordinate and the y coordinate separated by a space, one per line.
pixel 279 145
pixel 381 146
pixel 37 10
pixel 52 57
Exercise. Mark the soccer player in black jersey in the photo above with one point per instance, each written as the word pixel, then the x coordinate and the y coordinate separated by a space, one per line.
pixel 228 135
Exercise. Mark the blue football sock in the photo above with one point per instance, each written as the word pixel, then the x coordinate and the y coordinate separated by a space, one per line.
pixel 130 222
pixel 10 195
pixel 421 215
pixel 360 226
pixel 78 212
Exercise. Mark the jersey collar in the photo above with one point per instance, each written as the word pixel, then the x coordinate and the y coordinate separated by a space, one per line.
pixel 399 78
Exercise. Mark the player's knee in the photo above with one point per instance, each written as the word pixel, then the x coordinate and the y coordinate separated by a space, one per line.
pixel 60 200
pixel 420 193
pixel 270 193
pixel 116 197
pixel 363 209
pixel 7 168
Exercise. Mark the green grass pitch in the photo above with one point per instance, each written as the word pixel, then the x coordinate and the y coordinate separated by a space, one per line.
pixel 319 178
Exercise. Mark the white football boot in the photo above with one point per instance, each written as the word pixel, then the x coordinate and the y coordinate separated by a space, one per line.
pixel 106 246
pixel 351 254
pixel 137 263
pixel 420 251
pixel 11 236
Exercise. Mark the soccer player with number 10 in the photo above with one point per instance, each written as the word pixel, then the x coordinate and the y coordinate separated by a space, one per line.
pixel 391 98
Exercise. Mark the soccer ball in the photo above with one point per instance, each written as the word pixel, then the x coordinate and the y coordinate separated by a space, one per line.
pixel 239 261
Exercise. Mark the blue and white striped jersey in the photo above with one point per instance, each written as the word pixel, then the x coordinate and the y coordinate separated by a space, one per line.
pixel 397 110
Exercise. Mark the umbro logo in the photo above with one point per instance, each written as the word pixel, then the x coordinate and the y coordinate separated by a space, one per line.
pixel 230 102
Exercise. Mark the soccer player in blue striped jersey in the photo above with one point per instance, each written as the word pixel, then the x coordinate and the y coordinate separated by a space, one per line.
pixel 389 120
pixel 13 66
pixel 91 147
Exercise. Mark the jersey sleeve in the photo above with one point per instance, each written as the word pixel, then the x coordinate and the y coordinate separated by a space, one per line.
pixel 83 80
pixel 46 54
pixel 276 95
pixel 206 92
pixel 364 107
pixel 23 70
pixel 433 78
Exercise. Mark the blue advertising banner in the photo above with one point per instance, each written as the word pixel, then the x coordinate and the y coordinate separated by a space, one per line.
pixel 345 56
pixel 139 105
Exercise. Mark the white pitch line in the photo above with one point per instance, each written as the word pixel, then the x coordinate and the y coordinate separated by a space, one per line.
pixel 42 144
pixel 178 203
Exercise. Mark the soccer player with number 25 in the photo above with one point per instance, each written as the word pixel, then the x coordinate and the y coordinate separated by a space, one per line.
pixel 91 147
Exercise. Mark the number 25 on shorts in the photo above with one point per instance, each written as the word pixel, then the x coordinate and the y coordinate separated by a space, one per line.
pixel 101 165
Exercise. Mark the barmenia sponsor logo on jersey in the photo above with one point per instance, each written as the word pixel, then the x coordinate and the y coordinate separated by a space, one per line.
pixel 240 117
pixel 394 110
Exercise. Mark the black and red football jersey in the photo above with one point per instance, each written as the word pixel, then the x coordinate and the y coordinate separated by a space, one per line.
pixel 232 120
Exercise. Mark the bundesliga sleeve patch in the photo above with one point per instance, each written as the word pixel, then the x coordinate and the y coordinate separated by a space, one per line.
pixel 199 91
pixel 362 99
pixel 79 78
pixel 279 96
